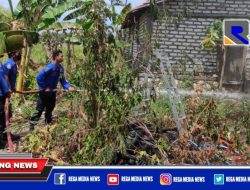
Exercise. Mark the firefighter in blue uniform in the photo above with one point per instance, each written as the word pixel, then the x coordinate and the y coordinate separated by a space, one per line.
pixel 4 92
pixel 8 73
pixel 10 69
pixel 47 80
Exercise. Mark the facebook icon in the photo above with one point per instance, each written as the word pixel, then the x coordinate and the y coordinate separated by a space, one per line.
pixel 60 179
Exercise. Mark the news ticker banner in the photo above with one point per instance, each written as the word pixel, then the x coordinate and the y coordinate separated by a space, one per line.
pixel 34 172
pixel 24 169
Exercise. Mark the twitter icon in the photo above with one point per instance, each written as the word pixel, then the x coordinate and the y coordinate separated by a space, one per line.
pixel 218 179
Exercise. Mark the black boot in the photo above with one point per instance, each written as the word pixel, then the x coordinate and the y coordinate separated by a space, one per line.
pixel 2 144
pixel 48 120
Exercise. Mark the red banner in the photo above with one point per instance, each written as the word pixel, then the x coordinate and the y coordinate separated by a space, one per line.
pixel 22 165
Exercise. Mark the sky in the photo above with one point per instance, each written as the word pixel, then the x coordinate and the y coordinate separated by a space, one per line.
pixel 5 4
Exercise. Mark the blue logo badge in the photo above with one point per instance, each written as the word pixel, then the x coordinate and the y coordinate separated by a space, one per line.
pixel 60 179
pixel 218 179
pixel 236 32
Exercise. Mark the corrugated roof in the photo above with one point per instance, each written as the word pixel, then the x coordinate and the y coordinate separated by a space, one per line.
pixel 137 10
pixel 130 16
pixel 145 4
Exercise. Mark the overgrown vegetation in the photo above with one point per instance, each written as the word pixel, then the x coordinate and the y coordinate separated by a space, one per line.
pixel 214 35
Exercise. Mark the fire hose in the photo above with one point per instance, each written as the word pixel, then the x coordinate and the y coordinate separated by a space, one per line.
pixel 10 143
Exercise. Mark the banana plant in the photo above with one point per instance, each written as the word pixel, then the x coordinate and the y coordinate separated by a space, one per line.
pixel 4 26
pixel 62 33
pixel 36 16
pixel 5 15
pixel 13 40
pixel 51 14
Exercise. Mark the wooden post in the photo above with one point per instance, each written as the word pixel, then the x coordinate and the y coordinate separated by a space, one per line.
pixel 224 50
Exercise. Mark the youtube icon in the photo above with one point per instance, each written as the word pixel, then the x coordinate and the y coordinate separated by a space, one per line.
pixel 113 179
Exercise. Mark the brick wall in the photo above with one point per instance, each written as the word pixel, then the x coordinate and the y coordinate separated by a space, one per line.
pixel 140 32
pixel 182 43
pixel 226 7
pixel 247 79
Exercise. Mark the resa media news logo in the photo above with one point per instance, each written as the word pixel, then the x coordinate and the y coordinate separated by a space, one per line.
pixel 60 179
pixel 166 179
pixel 236 32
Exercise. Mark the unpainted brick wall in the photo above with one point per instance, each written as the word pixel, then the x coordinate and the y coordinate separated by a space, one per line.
pixel 182 41
pixel 182 45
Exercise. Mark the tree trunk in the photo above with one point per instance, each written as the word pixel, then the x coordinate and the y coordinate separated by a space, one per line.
pixel 224 48
pixel 27 61
pixel 48 51
pixel 23 69
pixel 20 78
pixel 96 112
pixel 69 54
pixel 73 51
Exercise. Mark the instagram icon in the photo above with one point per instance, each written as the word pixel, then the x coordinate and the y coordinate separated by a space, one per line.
pixel 166 179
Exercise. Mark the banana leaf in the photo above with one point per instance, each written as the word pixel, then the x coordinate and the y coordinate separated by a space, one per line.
pixel 53 13
pixel 13 40
pixel 2 44
pixel 14 43
pixel 82 9
pixel 32 37
pixel 4 27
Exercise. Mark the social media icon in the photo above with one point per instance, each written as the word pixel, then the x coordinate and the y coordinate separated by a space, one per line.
pixel 218 179
pixel 236 32
pixel 113 179
pixel 166 179
pixel 60 179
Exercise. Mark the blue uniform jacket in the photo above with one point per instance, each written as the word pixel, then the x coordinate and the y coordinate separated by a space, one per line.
pixel 4 89
pixel 10 69
pixel 49 76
